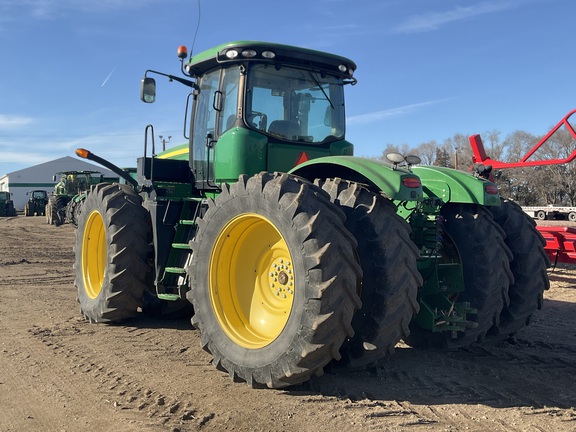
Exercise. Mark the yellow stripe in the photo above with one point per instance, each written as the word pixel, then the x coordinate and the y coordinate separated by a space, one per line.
pixel 174 153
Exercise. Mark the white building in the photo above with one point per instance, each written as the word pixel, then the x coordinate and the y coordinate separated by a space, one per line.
pixel 41 177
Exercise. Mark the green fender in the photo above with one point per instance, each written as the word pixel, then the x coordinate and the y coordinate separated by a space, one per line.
pixel 397 184
pixel 456 186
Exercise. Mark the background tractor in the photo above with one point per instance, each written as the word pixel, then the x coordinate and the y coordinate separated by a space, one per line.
pixel 295 254
pixel 36 205
pixel 65 202
pixel 6 205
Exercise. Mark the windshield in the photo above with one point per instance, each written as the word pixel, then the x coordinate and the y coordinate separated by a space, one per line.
pixel 294 104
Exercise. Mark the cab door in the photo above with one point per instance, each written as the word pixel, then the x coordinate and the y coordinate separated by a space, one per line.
pixel 203 127
pixel 215 112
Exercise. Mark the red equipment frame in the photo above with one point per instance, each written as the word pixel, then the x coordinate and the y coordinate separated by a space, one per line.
pixel 479 154
pixel 560 241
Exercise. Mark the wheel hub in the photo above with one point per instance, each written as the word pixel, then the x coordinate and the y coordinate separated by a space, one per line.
pixel 281 278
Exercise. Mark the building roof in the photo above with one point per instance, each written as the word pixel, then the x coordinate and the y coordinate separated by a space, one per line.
pixel 65 163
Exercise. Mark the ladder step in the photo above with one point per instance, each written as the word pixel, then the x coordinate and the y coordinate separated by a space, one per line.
pixel 181 246
pixel 187 222
pixel 169 297
pixel 176 270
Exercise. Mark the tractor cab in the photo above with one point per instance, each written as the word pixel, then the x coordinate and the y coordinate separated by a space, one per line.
pixel 36 205
pixel 261 107
pixel 75 182
pixel 38 195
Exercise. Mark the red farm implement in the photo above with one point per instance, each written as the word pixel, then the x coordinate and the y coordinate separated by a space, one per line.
pixel 560 241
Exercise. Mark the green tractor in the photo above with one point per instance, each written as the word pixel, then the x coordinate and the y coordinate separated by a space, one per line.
pixel 295 254
pixel 36 205
pixel 6 204
pixel 65 202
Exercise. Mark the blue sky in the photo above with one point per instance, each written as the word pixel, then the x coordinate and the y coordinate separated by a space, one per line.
pixel 70 70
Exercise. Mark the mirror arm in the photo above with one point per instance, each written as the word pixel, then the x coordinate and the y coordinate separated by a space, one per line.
pixel 184 81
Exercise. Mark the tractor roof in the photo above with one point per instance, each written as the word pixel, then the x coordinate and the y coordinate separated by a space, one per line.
pixel 241 51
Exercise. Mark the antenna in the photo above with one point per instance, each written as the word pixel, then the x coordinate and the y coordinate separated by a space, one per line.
pixel 196 32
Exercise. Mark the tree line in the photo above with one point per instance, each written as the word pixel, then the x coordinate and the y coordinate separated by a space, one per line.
pixel 539 185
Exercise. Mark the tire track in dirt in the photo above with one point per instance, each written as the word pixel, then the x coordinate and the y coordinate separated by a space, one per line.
pixel 52 389
pixel 125 388
pixel 523 378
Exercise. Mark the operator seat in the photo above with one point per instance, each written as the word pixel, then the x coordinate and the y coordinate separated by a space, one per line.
pixel 284 128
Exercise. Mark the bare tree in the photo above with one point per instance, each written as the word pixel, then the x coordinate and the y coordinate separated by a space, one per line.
pixel 427 152
pixel 493 145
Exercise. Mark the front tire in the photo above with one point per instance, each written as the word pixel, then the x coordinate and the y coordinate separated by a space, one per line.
pixel 476 241
pixel 390 276
pixel 274 280
pixel 48 213
pixel 112 244
pixel 529 264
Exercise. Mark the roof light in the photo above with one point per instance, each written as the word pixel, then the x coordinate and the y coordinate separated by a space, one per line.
pixel 268 54
pixel 231 54
pixel 395 158
pixel 248 53
pixel 182 52
pixel 413 160
pixel 343 68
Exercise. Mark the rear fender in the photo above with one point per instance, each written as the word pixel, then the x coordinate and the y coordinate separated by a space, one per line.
pixel 451 185
pixel 396 184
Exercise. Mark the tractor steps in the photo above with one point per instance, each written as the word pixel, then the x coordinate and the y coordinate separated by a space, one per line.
pixel 175 270
pixel 181 246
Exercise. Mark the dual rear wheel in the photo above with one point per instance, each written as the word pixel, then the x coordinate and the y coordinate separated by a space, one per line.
pixel 281 268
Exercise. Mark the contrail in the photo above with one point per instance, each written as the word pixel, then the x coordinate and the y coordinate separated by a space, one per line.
pixel 108 77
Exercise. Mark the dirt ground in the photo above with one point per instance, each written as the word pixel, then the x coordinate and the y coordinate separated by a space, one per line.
pixel 60 373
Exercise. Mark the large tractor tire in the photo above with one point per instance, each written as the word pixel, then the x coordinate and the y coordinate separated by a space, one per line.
pixel 529 264
pixel 55 210
pixel 48 213
pixel 112 243
pixel 59 210
pixel 390 278
pixel 72 212
pixel 274 280
pixel 473 238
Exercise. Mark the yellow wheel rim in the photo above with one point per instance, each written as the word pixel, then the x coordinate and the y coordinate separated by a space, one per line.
pixel 251 281
pixel 94 255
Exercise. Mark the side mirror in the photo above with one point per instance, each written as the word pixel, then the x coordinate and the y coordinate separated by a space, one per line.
pixel 148 90
pixel 53 178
